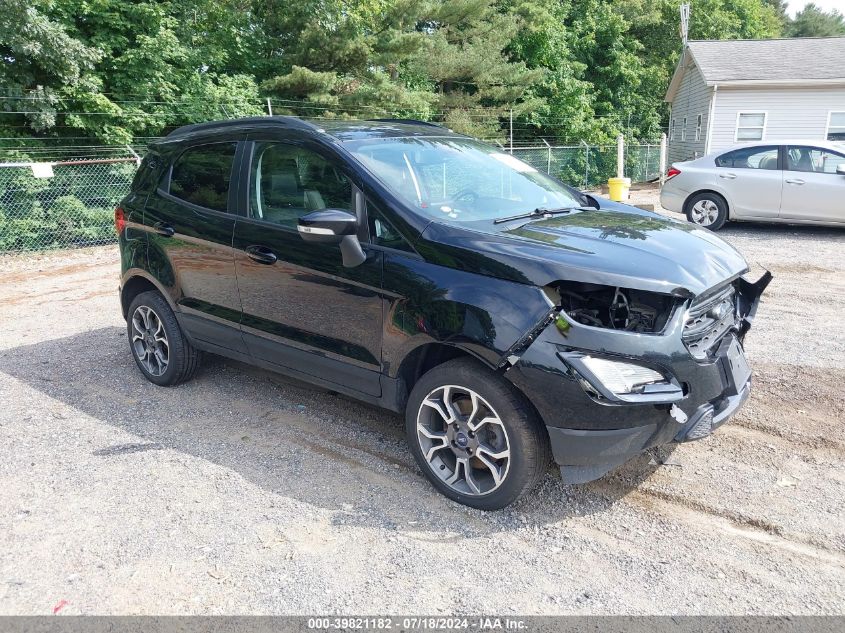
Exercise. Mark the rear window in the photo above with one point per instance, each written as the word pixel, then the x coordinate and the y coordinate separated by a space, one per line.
pixel 750 158
pixel 201 175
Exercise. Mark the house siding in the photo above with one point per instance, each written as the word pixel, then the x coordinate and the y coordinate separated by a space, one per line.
pixel 792 113
pixel 691 100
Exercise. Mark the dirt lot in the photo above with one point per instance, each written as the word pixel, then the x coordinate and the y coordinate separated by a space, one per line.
pixel 242 492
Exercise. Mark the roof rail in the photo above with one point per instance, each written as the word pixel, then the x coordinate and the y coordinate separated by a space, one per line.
pixel 410 121
pixel 286 121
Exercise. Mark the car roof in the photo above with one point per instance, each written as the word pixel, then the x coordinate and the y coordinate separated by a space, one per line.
pixel 342 130
pixel 834 145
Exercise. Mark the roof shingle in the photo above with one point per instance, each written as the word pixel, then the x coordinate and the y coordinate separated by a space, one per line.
pixel 770 60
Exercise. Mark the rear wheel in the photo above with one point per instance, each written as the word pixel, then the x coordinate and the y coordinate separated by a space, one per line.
pixel 474 436
pixel 708 210
pixel 159 347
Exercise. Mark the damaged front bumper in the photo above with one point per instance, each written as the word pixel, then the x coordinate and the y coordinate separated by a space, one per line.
pixel 593 430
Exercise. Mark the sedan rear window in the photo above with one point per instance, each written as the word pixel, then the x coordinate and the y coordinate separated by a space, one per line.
pixel 750 158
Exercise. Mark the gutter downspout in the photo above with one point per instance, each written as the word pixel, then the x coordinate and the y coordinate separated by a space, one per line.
pixel 710 117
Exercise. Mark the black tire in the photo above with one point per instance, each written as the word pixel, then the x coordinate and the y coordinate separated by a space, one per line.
pixel 700 210
pixel 182 359
pixel 524 434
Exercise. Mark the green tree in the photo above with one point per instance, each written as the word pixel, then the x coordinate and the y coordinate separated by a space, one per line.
pixel 812 21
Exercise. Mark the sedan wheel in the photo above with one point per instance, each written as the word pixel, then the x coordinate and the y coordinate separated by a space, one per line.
pixel 704 212
pixel 463 440
pixel 708 210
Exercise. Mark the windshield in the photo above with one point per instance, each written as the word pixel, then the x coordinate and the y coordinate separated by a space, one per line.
pixel 459 179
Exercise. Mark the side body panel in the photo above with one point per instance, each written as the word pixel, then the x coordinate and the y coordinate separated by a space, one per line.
pixel 196 262
pixel 306 311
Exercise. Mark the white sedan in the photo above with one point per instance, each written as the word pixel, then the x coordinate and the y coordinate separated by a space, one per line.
pixel 800 182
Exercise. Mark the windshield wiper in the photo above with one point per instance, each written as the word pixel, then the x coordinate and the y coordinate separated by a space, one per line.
pixel 539 212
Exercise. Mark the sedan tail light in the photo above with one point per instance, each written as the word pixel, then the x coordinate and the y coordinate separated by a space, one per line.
pixel 673 171
pixel 119 220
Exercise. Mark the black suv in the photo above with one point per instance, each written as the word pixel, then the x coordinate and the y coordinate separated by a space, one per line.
pixel 510 317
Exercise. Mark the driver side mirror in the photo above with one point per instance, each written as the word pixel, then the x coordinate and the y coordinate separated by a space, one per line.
pixel 334 226
pixel 840 169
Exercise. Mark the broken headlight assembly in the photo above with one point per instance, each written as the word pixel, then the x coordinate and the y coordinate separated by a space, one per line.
pixel 612 307
pixel 622 381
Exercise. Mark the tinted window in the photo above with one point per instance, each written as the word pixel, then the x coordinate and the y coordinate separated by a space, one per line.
pixel 813 160
pixel 288 182
pixel 750 158
pixel 201 175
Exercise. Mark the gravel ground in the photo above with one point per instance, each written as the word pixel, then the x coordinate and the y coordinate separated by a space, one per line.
pixel 243 492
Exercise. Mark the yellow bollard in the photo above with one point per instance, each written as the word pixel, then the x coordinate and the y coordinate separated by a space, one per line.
pixel 619 189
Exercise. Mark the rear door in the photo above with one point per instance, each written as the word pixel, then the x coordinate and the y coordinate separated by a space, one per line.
pixel 302 309
pixel 752 181
pixel 190 222
pixel 812 190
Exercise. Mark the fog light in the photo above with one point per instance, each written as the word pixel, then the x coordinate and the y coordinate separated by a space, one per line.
pixel 622 378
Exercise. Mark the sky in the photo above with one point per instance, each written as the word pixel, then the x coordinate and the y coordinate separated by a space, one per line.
pixel 827 5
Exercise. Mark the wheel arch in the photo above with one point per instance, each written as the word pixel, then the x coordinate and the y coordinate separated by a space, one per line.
pixel 134 283
pixel 427 356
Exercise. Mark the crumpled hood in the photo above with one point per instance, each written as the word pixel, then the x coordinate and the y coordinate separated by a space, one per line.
pixel 622 246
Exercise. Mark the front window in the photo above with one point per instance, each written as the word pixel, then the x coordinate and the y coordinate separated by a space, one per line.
pixel 288 182
pixel 836 127
pixel 813 160
pixel 750 126
pixel 460 179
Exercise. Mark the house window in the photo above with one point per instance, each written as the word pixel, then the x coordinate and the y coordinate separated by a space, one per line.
pixel 836 126
pixel 698 123
pixel 750 126
pixel 684 130
pixel 672 130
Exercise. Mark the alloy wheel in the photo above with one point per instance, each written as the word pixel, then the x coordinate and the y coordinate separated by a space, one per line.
pixel 463 440
pixel 149 341
pixel 704 212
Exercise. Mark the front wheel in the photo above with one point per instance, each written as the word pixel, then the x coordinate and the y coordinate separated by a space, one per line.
pixel 474 436
pixel 708 210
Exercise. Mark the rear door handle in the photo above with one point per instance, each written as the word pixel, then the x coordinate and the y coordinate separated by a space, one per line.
pixel 261 254
pixel 727 176
pixel 795 181
pixel 163 229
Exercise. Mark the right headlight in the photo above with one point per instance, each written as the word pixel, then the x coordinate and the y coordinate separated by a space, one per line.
pixel 623 381
pixel 622 378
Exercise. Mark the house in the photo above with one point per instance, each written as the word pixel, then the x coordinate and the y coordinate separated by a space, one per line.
pixel 729 91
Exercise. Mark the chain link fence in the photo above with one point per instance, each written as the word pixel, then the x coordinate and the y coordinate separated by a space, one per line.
pixel 61 205
pixel 70 203
pixel 589 166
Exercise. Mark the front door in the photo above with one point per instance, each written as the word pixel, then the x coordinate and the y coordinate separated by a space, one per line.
pixel 751 180
pixel 302 309
pixel 190 222
pixel 812 190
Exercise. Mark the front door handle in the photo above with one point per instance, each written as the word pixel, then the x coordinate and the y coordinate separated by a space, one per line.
pixel 727 176
pixel 163 229
pixel 795 181
pixel 261 254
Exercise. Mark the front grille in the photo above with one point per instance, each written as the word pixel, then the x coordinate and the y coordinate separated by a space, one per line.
pixel 709 318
